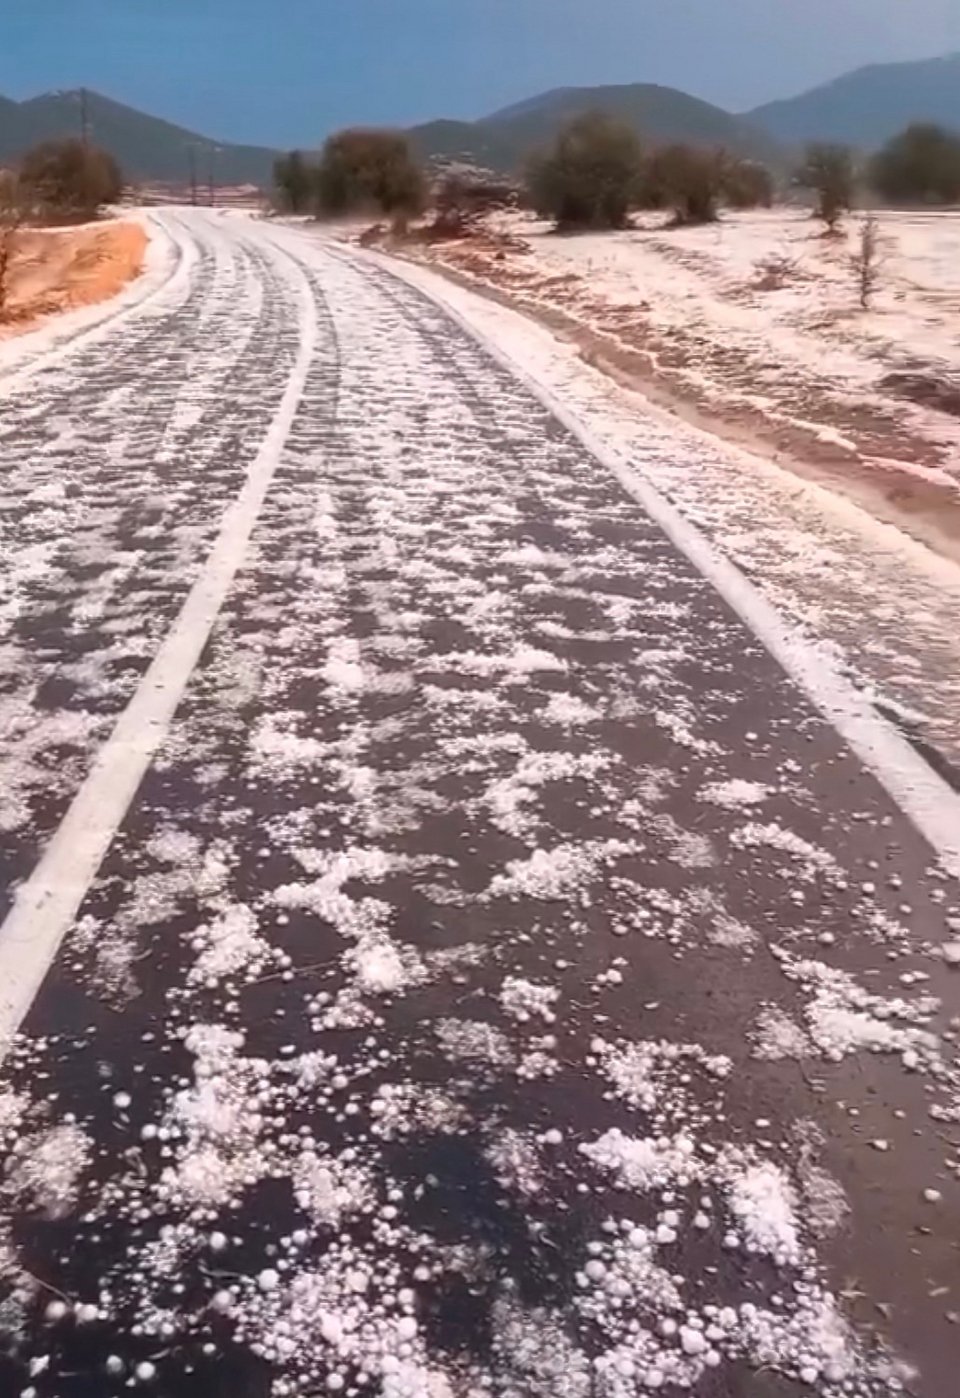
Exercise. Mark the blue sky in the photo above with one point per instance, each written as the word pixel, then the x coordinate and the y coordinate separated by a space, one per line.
pixel 286 72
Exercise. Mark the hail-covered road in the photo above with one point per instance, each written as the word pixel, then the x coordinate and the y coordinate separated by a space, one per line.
pixel 445 955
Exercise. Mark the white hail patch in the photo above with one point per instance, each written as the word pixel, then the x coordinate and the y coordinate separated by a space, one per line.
pixel 776 1036
pixel 508 796
pixel 523 999
pixel 329 1190
pixel 384 967
pixel 764 1203
pixel 734 794
pixel 45 1168
pixel 810 858
pixel 516 1162
pixel 645 1163
pixel 217 1122
pixel 343 670
pixel 640 1072
pixel 843 1018
pixel 568 711
pixel 229 947
pixel 470 1041
pixel 402 1109
pixel 558 873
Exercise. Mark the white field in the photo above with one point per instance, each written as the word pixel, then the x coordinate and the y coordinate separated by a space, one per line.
pixel 795 351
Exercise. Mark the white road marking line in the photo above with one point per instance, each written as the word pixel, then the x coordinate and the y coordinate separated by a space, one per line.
pixel 47 902
pixel 931 805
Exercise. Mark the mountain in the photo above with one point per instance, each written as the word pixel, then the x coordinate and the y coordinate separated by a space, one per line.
pixel 504 139
pixel 865 108
pixel 146 147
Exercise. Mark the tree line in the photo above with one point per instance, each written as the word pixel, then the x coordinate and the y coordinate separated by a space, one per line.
pixel 598 171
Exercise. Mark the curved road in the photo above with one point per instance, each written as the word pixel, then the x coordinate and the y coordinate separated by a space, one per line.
pixel 450 957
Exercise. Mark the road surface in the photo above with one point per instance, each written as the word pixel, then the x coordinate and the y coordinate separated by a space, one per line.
pixel 450 956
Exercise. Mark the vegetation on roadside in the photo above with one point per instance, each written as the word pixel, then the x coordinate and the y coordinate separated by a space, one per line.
pixel 461 202
pixel 359 171
pixel 596 173
pixel 69 180
pixel 295 183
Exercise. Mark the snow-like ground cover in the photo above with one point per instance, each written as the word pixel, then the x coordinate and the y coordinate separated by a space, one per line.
pixel 878 601
pixel 756 320
pixel 475 783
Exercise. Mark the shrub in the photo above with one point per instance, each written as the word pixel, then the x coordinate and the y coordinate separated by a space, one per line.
pixel 687 180
pixel 746 184
pixel 461 201
pixel 369 171
pixel 295 182
pixel 828 170
pixel 70 179
pixel 591 177
pixel 920 166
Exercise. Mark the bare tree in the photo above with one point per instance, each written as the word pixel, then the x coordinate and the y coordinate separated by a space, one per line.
pixel 867 259
pixel 13 215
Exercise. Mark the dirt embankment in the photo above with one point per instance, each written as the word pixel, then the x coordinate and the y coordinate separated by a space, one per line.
pixel 56 270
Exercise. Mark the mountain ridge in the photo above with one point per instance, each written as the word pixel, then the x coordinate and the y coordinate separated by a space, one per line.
pixel 147 147
pixel 657 113
pixel 868 105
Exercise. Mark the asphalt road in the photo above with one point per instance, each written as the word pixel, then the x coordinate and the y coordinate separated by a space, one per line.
pixel 484 971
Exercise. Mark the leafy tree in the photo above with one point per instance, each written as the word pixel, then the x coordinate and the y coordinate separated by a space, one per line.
pixel 295 181
pixel 70 179
pixel 591 177
pixel 920 166
pixel 688 180
pixel 829 171
pixel 369 170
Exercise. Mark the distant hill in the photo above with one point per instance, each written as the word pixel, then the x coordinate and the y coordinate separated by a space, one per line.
pixel 146 147
pixel 865 108
pixel 504 139
pixel 449 141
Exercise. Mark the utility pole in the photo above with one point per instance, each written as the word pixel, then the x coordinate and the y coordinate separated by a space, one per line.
pixel 84 117
pixel 193 174
pixel 213 187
